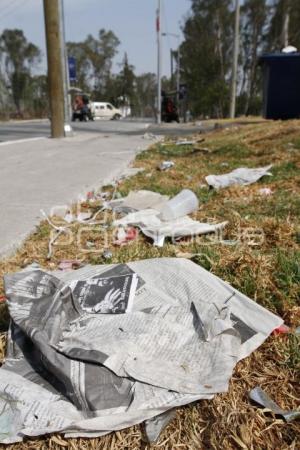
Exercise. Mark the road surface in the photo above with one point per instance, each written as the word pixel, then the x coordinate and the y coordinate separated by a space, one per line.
pixel 39 173
pixel 10 131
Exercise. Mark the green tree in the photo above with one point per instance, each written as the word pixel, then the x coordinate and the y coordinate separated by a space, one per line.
pixel 146 85
pixel 206 56
pixel 78 51
pixel 282 8
pixel 100 53
pixel 125 84
pixel 94 57
pixel 19 57
pixel 254 26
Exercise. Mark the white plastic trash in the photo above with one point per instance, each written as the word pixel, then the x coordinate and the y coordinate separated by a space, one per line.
pixel 182 204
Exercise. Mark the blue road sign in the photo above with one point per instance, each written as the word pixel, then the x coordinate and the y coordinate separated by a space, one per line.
pixel 72 68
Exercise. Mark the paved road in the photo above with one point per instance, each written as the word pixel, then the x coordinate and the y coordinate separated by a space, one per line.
pixel 40 173
pixel 23 130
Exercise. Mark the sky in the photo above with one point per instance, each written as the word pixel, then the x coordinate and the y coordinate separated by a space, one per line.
pixel 133 21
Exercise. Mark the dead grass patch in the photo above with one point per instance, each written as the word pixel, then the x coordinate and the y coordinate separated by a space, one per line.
pixel 264 264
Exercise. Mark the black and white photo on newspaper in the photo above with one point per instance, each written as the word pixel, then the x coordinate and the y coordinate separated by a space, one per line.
pixel 106 295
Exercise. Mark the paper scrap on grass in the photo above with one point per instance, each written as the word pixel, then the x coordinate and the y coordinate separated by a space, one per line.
pixel 241 176
pixel 138 200
pixel 76 369
pixel 151 225
pixel 259 396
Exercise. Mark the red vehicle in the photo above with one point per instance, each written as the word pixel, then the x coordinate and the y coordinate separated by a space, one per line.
pixel 81 108
pixel 169 111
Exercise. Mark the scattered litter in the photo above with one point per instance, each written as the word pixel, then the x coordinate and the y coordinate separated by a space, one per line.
pixel 112 346
pixel 189 142
pixel 241 176
pixel 81 217
pixel 150 137
pixel 90 195
pixel 282 329
pixel 186 142
pixel 90 244
pixel 162 218
pixel 152 226
pixel 182 204
pixel 261 397
pixel 297 331
pixel 125 235
pixel 107 254
pixel 103 195
pixel 224 164
pixel 165 165
pixel 265 191
pixel 84 216
pixel 155 426
pixel 69 264
pixel 131 172
pixel 2 299
pixel 138 200
pixel 230 242
pixel 60 211
pixel 53 240
pixel 33 265
pixel 186 255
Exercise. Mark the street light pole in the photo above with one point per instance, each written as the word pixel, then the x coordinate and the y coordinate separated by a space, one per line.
pixel 178 64
pixel 178 73
pixel 67 104
pixel 158 21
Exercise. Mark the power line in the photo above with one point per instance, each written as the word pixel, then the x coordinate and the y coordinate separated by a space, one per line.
pixel 15 7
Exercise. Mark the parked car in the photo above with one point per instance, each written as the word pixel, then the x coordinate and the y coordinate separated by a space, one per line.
pixel 104 110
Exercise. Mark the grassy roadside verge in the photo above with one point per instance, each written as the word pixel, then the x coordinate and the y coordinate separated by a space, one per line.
pixel 264 264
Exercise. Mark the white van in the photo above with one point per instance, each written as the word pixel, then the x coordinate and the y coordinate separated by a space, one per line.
pixel 103 110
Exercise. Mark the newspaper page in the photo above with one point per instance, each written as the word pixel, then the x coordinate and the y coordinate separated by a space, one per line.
pixel 152 226
pixel 241 176
pixel 106 347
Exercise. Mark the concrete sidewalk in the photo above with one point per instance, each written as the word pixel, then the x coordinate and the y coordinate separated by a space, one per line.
pixel 42 173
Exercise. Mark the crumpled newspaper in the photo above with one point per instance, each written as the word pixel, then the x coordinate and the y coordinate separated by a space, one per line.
pixel 106 347
pixel 241 176
pixel 151 225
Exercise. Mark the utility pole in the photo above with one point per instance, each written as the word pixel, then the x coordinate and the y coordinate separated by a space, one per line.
pixel 158 21
pixel 178 74
pixel 55 68
pixel 235 60
pixel 64 61
pixel 172 70
pixel 178 63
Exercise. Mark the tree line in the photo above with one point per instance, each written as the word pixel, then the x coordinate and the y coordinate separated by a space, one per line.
pixel 265 26
pixel 206 68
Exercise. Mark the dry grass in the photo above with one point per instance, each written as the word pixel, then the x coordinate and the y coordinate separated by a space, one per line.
pixel 265 265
